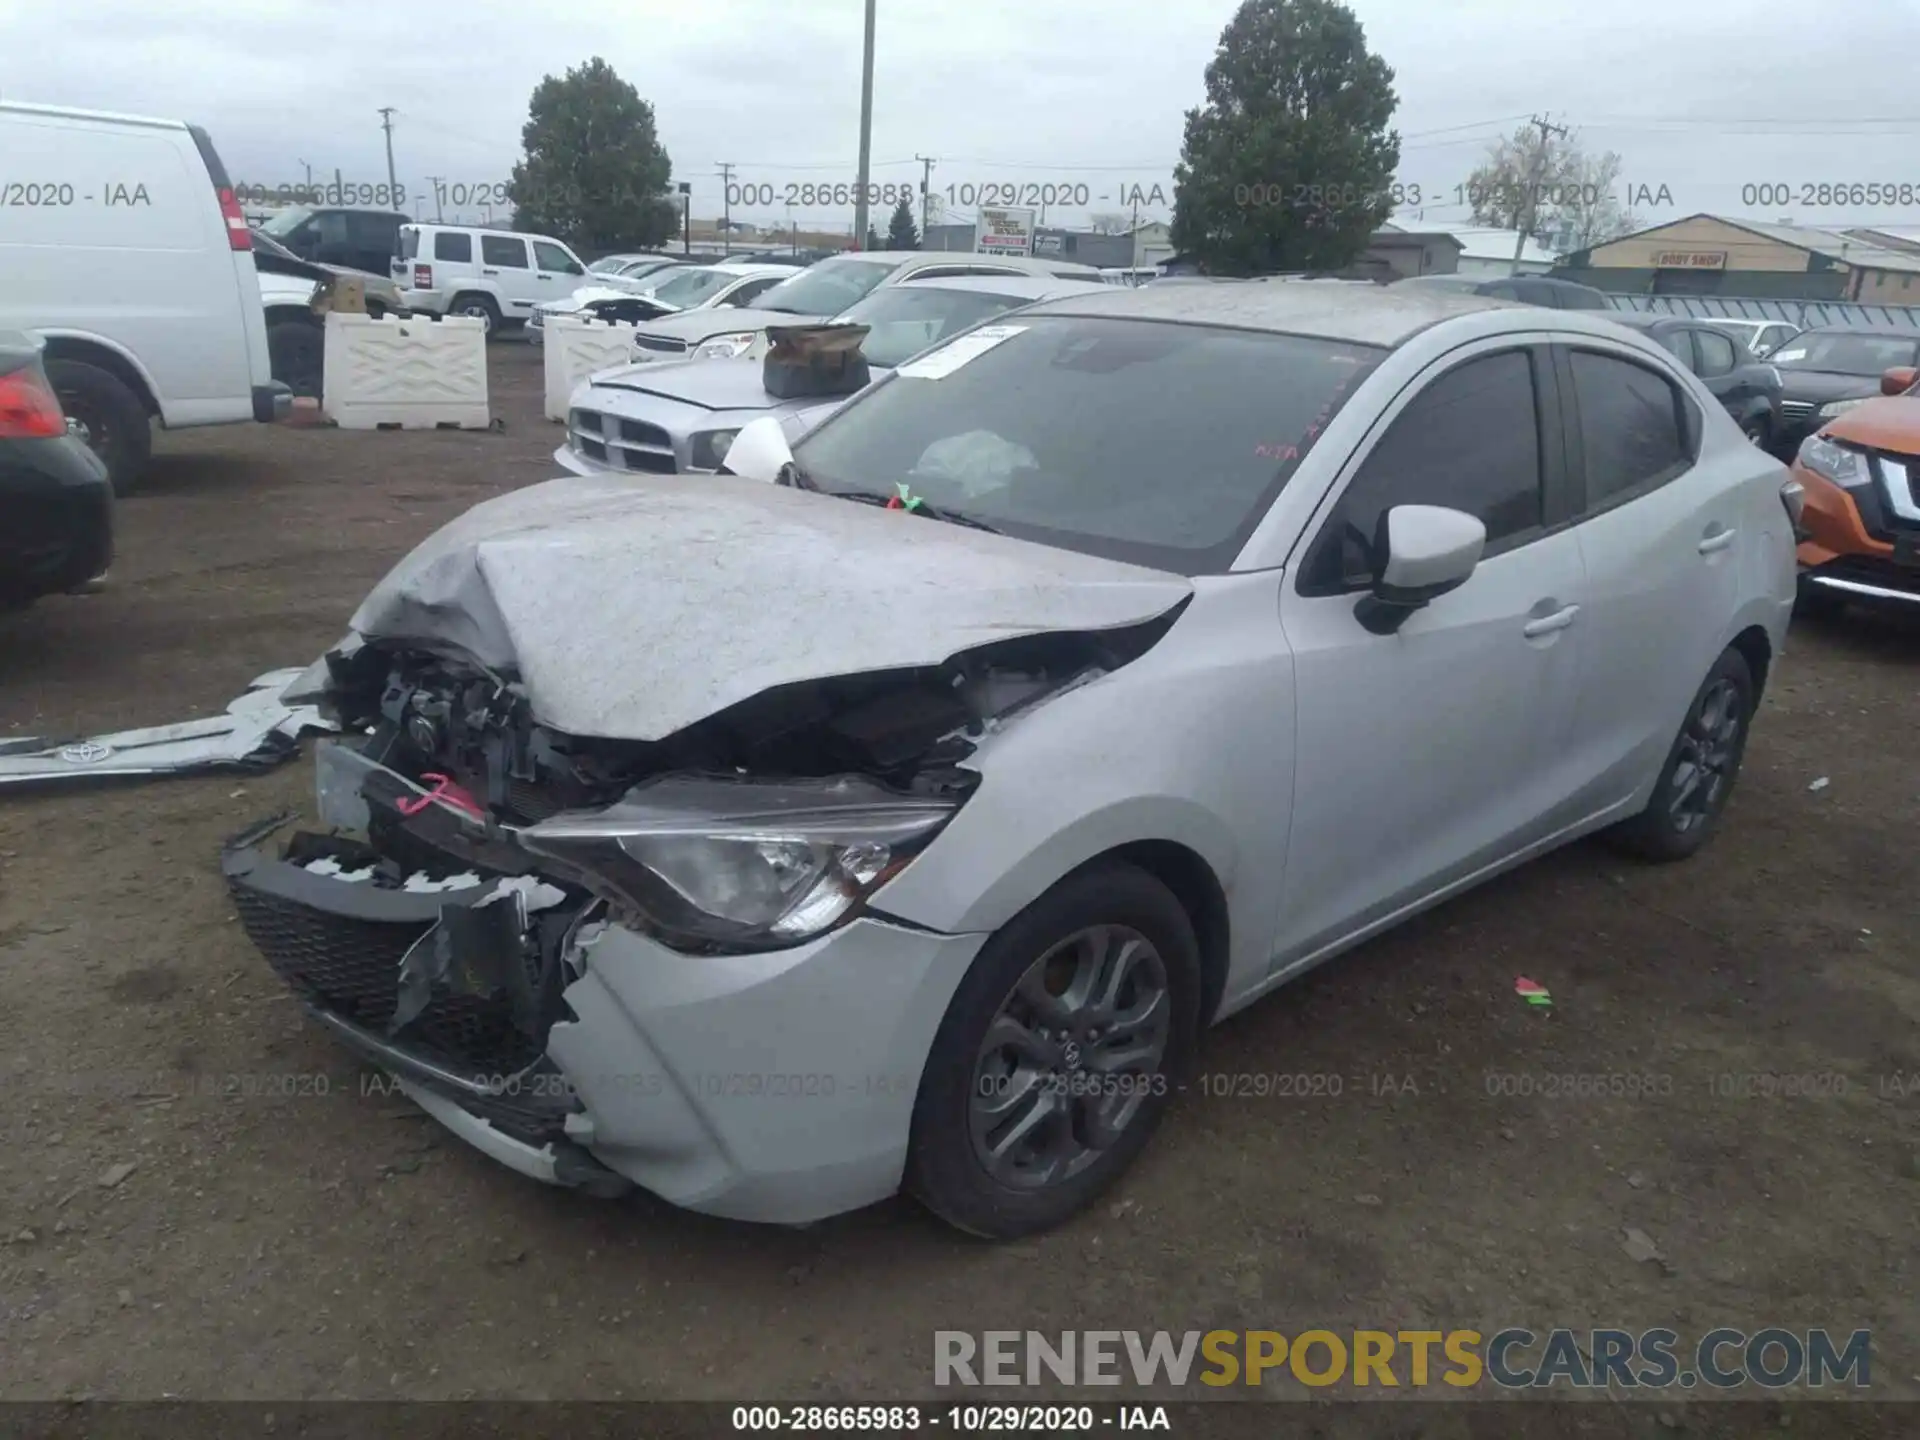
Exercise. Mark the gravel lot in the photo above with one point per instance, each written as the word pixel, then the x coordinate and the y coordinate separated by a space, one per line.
pixel 315 1246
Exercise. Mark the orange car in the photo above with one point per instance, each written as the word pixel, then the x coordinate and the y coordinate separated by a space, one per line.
pixel 1860 528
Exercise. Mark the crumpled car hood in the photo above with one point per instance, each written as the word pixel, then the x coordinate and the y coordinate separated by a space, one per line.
pixel 632 609
pixel 714 384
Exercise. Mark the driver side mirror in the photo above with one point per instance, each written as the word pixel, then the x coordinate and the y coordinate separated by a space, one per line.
pixel 1898 380
pixel 759 452
pixel 1420 553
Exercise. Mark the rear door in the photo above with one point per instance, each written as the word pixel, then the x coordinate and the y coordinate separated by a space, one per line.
pixel 508 269
pixel 1659 534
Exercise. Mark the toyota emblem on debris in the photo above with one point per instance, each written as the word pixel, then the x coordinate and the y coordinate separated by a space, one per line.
pixel 87 752
pixel 1071 1055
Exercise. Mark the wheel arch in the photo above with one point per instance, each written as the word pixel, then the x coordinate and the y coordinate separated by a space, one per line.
pixel 115 359
pixel 1187 874
pixel 1756 648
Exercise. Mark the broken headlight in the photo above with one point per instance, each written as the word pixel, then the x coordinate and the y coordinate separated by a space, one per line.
pixel 741 864
pixel 709 448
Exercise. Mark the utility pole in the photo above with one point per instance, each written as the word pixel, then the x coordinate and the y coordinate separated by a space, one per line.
pixel 860 225
pixel 926 197
pixel 439 194
pixel 393 185
pixel 726 205
pixel 1530 201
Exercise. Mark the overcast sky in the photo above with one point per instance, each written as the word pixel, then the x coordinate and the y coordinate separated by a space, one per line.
pixel 1702 100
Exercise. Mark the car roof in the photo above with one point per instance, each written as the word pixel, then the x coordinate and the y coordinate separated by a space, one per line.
pixel 1326 309
pixel 1030 287
pixel 67 112
pixel 1897 332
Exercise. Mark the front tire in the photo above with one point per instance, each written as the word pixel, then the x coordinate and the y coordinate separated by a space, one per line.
pixel 1701 768
pixel 112 419
pixel 1058 1055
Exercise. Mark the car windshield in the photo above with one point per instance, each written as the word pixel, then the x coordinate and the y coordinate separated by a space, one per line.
pixel 286 221
pixel 905 319
pixel 610 264
pixel 827 288
pixel 1158 444
pixel 1846 353
pixel 266 244
pixel 688 288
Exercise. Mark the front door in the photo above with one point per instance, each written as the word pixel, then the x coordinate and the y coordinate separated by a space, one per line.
pixel 504 262
pixel 1427 755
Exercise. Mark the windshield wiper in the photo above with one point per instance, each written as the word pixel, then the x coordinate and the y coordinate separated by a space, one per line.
pixel 932 512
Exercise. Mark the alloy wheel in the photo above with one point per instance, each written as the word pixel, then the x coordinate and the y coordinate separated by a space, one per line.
pixel 1071 1057
pixel 1709 748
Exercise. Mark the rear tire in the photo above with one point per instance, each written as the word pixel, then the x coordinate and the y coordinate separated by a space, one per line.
pixel 113 419
pixel 1701 768
pixel 1072 1124
pixel 297 353
pixel 480 307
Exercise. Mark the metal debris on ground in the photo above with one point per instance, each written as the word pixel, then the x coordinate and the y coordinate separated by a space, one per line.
pixel 1532 991
pixel 258 731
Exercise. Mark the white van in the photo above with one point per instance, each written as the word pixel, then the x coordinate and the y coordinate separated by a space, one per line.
pixel 122 245
pixel 496 276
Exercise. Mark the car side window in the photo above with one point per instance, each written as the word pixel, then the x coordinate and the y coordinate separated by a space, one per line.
pixel 371 232
pixel 1469 441
pixel 1634 427
pixel 1717 355
pixel 1502 291
pixel 1679 344
pixel 453 245
pixel 549 256
pixel 504 250
pixel 752 290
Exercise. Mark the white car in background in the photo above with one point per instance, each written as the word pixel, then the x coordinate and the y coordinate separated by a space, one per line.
pixel 494 276
pixel 123 246
pixel 730 284
pixel 667 419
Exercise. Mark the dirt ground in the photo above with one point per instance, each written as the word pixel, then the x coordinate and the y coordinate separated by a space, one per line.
pixel 337 1245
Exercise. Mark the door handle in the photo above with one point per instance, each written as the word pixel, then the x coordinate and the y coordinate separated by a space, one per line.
pixel 1547 624
pixel 489 272
pixel 1716 540
pixel 538 276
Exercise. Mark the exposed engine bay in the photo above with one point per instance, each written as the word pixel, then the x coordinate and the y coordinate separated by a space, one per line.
pixel 434 923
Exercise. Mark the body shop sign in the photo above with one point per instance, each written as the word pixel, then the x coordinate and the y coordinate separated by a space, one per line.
pixel 1003 231
pixel 1690 260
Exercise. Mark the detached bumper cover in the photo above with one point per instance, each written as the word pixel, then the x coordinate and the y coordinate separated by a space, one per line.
pixel 259 731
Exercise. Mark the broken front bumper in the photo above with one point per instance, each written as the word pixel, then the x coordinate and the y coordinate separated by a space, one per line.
pixel 775 1087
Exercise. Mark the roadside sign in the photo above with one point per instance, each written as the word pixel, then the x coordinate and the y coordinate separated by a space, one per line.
pixel 1003 231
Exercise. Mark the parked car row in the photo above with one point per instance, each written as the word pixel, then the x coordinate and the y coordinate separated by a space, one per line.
pixel 913 741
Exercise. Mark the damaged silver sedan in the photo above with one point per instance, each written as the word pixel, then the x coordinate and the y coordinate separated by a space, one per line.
pixel 901 822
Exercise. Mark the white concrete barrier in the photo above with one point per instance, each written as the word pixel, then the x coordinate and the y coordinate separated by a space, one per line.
pixel 576 347
pixel 417 374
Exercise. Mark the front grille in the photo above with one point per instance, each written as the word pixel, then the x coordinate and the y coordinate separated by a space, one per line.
pixel 592 449
pixel 666 345
pixel 1796 409
pixel 587 420
pixel 351 967
pixel 647 462
pixel 641 433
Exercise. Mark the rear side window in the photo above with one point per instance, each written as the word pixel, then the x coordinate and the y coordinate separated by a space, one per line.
pixel 503 250
pixel 409 242
pixel 1679 344
pixel 1634 429
pixel 1578 297
pixel 452 245
pixel 1469 441
pixel 1717 355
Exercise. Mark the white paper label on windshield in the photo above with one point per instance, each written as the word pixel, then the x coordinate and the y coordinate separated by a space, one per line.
pixel 950 357
pixel 1788 355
